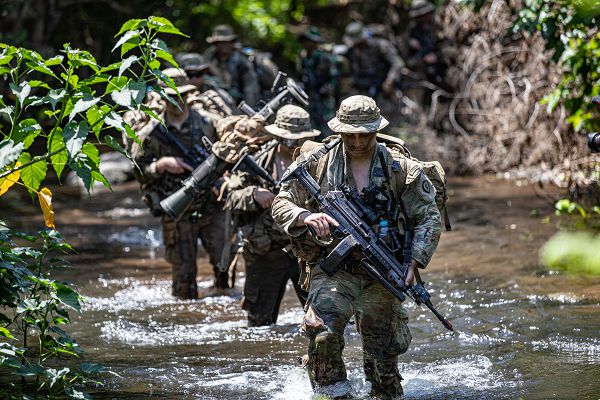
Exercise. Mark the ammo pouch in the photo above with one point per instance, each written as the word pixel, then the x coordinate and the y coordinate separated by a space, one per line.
pixel 152 201
pixel 256 240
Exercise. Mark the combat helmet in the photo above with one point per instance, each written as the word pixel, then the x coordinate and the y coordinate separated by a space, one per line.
pixel 358 114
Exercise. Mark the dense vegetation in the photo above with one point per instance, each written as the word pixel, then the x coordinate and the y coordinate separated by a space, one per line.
pixel 73 106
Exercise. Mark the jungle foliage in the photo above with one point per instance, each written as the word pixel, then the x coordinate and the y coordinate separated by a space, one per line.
pixel 70 106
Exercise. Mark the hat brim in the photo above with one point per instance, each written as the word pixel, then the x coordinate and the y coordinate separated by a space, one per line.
pixel 417 12
pixel 285 134
pixel 226 38
pixel 312 38
pixel 340 127
pixel 181 89
pixel 196 67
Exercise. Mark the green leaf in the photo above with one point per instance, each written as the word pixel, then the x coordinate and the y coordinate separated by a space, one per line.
pixel 92 153
pixel 74 136
pixel 56 143
pixel 40 67
pixel 82 105
pixel 55 95
pixel 97 175
pixel 116 83
pixel 115 120
pixel 167 57
pixel 126 63
pixel 9 152
pixel 163 25
pixel 30 370
pixel 54 61
pixel 128 35
pixel 94 119
pixel 110 67
pixel 130 44
pixel 68 296
pixel 113 144
pixel 21 91
pixel 26 131
pixel 122 97
pixel 150 112
pixel 39 84
pixel 6 333
pixel 32 175
pixel 131 24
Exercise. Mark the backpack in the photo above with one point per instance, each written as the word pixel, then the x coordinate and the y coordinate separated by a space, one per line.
pixel 432 169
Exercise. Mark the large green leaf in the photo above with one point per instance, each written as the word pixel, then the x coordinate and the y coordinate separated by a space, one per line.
pixel 128 35
pixel 26 131
pixel 32 175
pixel 126 63
pixel 56 143
pixel 129 25
pixel 167 57
pixel 9 152
pixel 82 105
pixel 116 83
pixel 21 91
pixel 67 296
pixel 94 118
pixel 56 95
pixel 91 153
pixel 74 136
pixel 163 25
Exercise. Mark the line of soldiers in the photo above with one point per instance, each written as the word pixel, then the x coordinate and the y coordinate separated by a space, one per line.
pixel 274 222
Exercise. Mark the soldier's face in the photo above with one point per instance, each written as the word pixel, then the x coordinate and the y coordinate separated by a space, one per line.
pixel 359 144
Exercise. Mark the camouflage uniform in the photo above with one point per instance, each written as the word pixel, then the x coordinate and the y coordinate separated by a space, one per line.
pixel 380 317
pixel 206 222
pixel 320 78
pixel 373 60
pixel 268 267
pixel 235 72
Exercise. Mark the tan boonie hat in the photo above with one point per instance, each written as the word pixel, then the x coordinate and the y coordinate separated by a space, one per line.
pixel 222 33
pixel 192 62
pixel 420 7
pixel 180 79
pixel 358 114
pixel 292 122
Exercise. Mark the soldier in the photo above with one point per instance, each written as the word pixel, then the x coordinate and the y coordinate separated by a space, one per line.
pixel 268 267
pixel 332 301
pixel 162 171
pixel 422 41
pixel 320 78
pixel 232 67
pixel 374 61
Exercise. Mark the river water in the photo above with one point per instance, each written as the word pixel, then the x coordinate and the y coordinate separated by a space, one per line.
pixel 522 332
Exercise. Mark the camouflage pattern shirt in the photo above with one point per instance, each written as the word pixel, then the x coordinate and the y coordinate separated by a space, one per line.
pixel 373 63
pixel 236 74
pixel 411 186
pixel 153 148
pixel 261 233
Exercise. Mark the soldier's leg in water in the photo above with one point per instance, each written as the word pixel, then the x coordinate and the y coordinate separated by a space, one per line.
pixel 211 233
pixel 383 324
pixel 266 278
pixel 181 245
pixel 329 309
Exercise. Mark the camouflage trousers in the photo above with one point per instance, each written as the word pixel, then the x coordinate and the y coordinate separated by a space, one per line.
pixel 266 279
pixel 380 319
pixel 181 249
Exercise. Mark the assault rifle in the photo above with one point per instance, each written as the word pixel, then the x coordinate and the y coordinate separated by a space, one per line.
pixel 379 260
pixel 212 168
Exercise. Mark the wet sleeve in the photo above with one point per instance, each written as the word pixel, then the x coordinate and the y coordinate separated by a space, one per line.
pixel 419 201
pixel 287 206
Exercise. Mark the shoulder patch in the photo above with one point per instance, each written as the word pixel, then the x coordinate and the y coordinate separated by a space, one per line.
pixel 426 187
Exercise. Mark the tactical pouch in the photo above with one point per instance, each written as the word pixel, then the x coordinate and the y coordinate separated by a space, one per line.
pixel 256 240
pixel 152 201
pixel 305 249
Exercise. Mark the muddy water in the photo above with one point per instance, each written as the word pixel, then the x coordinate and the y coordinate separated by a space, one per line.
pixel 522 331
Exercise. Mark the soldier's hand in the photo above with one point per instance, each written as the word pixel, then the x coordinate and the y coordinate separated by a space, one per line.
pixel 387 86
pixel 173 165
pixel 264 197
pixel 319 222
pixel 410 274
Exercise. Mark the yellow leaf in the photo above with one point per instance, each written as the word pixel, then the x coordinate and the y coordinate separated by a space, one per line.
pixel 6 183
pixel 45 197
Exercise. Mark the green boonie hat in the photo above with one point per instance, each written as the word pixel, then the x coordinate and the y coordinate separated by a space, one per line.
pixel 180 79
pixel 420 7
pixel 192 62
pixel 222 33
pixel 292 122
pixel 313 34
pixel 358 114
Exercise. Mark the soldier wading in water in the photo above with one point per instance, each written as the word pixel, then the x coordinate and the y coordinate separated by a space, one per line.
pixel 380 318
